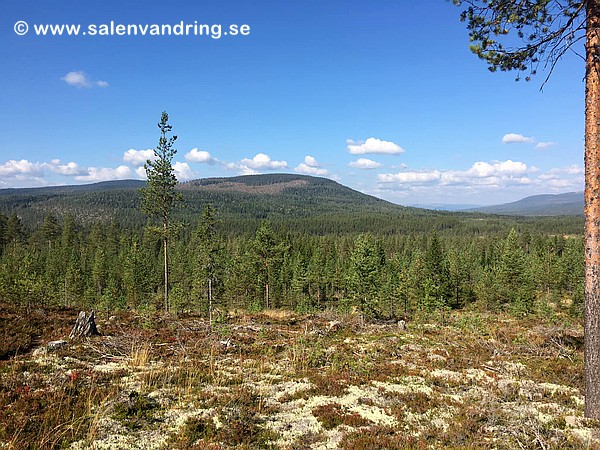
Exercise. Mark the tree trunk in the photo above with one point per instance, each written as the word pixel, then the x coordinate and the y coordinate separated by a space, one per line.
pixel 85 326
pixel 210 303
pixel 267 283
pixel 166 267
pixel 267 294
pixel 592 213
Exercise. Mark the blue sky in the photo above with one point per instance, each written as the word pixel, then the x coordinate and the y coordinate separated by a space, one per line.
pixel 383 96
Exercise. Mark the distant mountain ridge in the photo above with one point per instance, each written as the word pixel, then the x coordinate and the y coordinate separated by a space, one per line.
pixel 567 204
pixel 287 198
pixel 74 188
pixel 446 206
pixel 293 202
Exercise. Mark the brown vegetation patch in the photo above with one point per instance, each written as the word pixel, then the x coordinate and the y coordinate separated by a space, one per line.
pixel 415 402
pixel 381 437
pixel 233 186
pixel 22 330
pixel 39 410
pixel 333 415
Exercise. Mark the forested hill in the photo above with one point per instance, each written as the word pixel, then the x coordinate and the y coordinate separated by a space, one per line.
pixel 74 189
pixel 300 195
pixel 568 204
pixel 253 195
pixel 296 203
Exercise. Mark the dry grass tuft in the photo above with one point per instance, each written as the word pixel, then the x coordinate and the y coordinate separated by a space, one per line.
pixel 280 315
pixel 141 353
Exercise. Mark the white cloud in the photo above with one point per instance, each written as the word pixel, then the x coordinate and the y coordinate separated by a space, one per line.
pixel 496 173
pixel 545 145
pixel 77 79
pixel 95 174
pixel 138 157
pixel 70 169
pixel 561 179
pixel 26 173
pixel 80 79
pixel 311 170
pixel 505 168
pixel 481 182
pixel 558 172
pixel 574 169
pixel 365 163
pixel 560 184
pixel 311 166
pixel 514 138
pixel 183 171
pixel 548 176
pixel 199 156
pixel 262 161
pixel 29 173
pixel 141 173
pixel 410 177
pixel 311 161
pixel 373 145
pixel 23 167
pixel 242 169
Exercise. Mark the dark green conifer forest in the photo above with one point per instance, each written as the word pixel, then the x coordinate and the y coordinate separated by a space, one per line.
pixel 282 241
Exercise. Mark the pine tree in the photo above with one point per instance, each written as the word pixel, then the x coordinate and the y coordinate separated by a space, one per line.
pixel 160 196
pixel 546 31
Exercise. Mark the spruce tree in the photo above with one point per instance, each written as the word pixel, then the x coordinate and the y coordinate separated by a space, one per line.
pixel 265 246
pixel 209 257
pixel 367 261
pixel 436 269
pixel 3 232
pixel 512 275
pixel 14 229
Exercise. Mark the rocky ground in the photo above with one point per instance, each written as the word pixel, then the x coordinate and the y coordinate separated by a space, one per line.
pixel 285 381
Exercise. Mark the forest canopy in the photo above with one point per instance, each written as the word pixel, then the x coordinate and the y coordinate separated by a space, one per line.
pixel 305 247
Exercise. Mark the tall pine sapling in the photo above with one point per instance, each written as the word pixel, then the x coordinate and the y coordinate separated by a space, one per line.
pixel 160 196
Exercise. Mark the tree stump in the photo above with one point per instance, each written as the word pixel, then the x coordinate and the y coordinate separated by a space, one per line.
pixel 85 326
